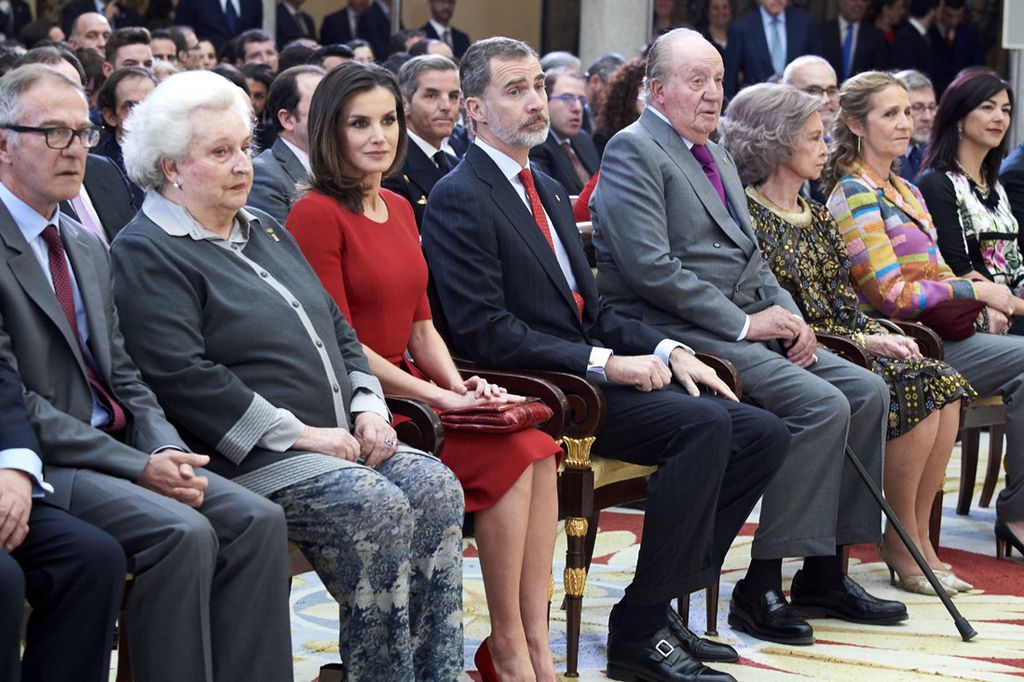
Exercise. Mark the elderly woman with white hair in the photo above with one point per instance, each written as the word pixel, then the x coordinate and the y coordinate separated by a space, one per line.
pixel 253 362
pixel 777 139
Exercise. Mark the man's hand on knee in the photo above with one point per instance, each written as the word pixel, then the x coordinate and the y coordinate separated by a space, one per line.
pixel 643 372
pixel 15 506
pixel 172 474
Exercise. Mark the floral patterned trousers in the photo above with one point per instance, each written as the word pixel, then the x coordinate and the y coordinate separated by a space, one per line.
pixel 387 543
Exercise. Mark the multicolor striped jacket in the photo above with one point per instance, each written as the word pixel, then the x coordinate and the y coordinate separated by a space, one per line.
pixel 895 264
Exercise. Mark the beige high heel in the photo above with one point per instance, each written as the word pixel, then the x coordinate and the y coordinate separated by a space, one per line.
pixel 918 584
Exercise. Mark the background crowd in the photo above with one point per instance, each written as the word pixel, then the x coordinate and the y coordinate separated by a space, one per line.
pixel 225 249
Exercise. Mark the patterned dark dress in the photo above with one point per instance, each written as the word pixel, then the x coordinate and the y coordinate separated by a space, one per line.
pixel 808 256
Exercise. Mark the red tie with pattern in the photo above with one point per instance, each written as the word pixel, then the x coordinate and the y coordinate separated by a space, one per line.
pixel 537 208
pixel 62 288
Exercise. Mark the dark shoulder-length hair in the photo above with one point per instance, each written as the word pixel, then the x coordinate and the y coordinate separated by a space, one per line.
pixel 331 173
pixel 967 92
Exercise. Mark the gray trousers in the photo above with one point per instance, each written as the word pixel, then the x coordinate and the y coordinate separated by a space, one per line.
pixel 209 601
pixel 995 364
pixel 816 500
pixel 387 543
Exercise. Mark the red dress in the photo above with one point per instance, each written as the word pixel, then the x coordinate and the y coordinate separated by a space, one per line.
pixel 376 274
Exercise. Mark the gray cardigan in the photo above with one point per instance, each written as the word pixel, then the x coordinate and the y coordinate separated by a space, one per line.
pixel 239 341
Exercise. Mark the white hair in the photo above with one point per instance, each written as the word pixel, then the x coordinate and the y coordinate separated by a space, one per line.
pixel 160 126
pixel 790 72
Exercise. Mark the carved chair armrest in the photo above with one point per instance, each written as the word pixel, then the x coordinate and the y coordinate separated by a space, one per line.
pixel 535 387
pixel 423 429
pixel 725 370
pixel 845 348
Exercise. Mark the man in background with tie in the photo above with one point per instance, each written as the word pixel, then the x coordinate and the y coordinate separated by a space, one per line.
pixel 568 154
pixel 439 26
pixel 431 96
pixel 675 248
pixel 851 45
pixel 764 40
pixel 219 20
pixel 922 113
pixel 516 290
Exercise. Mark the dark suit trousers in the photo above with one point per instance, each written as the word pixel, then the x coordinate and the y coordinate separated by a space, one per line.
pixel 714 458
pixel 73 576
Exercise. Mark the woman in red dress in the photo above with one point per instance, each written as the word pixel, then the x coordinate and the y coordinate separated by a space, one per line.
pixel 363 244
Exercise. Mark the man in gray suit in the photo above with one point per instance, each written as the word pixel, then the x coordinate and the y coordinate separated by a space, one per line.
pixel 675 248
pixel 208 557
pixel 279 171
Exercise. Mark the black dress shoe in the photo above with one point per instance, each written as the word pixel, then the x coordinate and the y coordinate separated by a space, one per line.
pixel 852 603
pixel 769 617
pixel 700 648
pixel 661 658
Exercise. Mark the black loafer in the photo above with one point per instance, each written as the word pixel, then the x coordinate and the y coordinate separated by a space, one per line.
pixel 768 617
pixel 852 603
pixel 702 649
pixel 662 658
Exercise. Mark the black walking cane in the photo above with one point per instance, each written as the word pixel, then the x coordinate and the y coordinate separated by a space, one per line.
pixel 966 631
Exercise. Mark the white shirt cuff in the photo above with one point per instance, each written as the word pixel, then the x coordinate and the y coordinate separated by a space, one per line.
pixel 23 459
pixel 665 348
pixel 282 435
pixel 598 359
pixel 746 328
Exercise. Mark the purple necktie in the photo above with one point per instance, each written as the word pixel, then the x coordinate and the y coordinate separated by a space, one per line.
pixel 707 164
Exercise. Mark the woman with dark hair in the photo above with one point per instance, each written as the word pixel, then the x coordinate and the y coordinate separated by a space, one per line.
pixel 978 233
pixel 776 137
pixel 898 271
pixel 255 365
pixel 258 79
pixel 622 106
pixel 363 243
pixel 713 22
pixel 886 15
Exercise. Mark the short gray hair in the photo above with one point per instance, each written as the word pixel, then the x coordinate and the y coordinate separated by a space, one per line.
pixel 409 74
pixel 19 81
pixel 914 80
pixel 475 67
pixel 760 127
pixel 606 65
pixel 560 59
pixel 658 56
pixel 790 71
pixel 160 126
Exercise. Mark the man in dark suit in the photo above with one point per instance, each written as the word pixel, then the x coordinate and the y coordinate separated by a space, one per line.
pixel 956 44
pixel 922 113
pixel 363 19
pixel 514 285
pixel 205 553
pixel 911 48
pixel 113 206
pixel 431 96
pixel 1011 174
pixel 119 14
pixel 568 154
pixel 220 20
pixel 293 23
pixel 280 171
pixel 439 27
pixel 14 18
pixel 71 572
pixel 850 45
pixel 764 40
pixel 676 247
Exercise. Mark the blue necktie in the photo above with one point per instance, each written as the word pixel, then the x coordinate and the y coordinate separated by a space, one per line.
pixel 777 54
pixel 231 16
pixel 848 52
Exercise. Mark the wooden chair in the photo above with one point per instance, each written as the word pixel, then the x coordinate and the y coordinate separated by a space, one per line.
pixel 422 431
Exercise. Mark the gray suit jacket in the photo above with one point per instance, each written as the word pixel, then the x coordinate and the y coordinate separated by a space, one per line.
pixel 669 252
pixel 36 338
pixel 277 172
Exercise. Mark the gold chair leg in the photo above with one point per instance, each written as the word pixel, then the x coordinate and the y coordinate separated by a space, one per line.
pixel 578 484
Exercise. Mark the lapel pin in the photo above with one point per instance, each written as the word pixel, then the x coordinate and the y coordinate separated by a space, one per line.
pixel 272 234
pixel 558 198
pixel 406 179
pixel 422 201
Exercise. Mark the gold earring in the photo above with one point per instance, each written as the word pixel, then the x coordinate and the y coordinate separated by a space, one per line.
pixel 858 145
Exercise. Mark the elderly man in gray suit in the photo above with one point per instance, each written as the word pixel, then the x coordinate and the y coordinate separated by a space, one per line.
pixel 278 172
pixel 675 248
pixel 209 558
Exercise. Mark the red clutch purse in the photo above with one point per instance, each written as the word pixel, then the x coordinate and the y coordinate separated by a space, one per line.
pixel 953 320
pixel 497 417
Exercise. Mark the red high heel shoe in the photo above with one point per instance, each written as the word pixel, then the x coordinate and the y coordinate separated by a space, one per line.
pixel 484 663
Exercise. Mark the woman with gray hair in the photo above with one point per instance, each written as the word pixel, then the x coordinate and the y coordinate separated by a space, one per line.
pixel 255 365
pixel 777 139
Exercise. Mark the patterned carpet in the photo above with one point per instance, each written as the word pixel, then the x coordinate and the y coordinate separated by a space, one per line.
pixel 926 647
